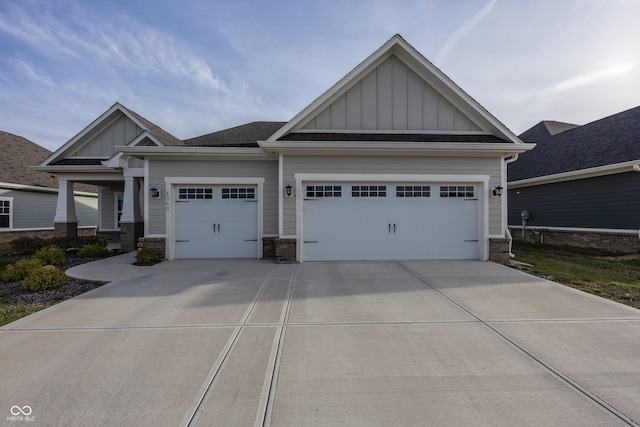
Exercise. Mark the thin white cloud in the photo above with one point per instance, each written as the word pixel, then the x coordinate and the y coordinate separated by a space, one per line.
pixel 463 31
pixel 116 42
pixel 594 76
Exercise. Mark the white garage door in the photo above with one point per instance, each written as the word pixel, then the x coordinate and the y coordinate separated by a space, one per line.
pixel 216 222
pixel 389 221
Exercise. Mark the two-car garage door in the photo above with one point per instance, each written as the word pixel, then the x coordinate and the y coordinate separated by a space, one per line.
pixel 389 221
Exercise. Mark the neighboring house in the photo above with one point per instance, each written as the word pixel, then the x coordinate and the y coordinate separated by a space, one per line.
pixel 28 198
pixel 394 161
pixel 580 185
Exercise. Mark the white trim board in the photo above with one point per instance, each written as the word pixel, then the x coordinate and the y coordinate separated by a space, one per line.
pixel 170 223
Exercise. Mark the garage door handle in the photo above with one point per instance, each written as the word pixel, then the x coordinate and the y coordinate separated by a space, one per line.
pixel 471 241
pixel 250 240
pixel 178 241
pixel 311 241
pixel 214 228
pixel 394 228
pixel 389 227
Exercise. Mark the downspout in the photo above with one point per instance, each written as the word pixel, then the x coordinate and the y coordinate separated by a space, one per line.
pixel 507 232
pixel 636 168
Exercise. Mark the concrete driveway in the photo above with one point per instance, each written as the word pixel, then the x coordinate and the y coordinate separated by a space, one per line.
pixel 243 343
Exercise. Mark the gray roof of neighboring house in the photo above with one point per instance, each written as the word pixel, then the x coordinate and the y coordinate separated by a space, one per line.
pixel 545 129
pixel 611 140
pixel 18 154
pixel 246 135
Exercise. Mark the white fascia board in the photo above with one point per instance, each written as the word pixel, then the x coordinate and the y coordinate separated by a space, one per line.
pixel 394 148
pixel 418 63
pixel 196 152
pixel 97 122
pixel 575 175
pixel 114 161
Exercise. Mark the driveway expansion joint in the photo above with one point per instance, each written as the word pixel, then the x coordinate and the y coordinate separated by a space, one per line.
pixel 556 373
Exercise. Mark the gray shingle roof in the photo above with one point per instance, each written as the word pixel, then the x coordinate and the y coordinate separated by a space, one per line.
pixel 545 129
pixel 246 135
pixel 611 140
pixel 18 154
pixel 162 135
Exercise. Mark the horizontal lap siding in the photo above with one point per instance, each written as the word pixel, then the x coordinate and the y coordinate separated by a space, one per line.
pixel 32 209
pixel 393 165
pixel 611 201
pixel 159 170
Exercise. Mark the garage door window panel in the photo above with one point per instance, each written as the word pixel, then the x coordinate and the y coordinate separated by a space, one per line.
pixel 368 191
pixel 195 193
pixel 316 191
pixel 239 193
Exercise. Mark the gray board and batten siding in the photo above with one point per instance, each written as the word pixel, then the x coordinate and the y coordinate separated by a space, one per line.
pixel 607 202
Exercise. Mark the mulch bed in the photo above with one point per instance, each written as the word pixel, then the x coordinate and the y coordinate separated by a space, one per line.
pixel 12 293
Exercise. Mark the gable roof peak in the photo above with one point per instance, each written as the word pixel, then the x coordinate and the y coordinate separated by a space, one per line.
pixel 423 70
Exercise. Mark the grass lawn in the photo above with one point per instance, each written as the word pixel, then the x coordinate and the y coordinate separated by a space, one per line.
pixel 606 274
pixel 9 314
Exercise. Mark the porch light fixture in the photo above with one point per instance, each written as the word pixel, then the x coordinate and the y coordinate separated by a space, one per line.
pixel 289 190
pixel 155 193
pixel 497 192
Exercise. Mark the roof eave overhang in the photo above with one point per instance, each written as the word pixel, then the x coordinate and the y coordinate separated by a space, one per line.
pixel 196 153
pixel 76 169
pixel 394 148
pixel 613 169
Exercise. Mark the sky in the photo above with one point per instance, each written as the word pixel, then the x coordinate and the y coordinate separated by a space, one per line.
pixel 198 66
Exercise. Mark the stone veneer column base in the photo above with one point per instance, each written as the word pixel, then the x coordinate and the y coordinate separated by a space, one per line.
pixel 269 248
pixel 285 250
pixel 499 250
pixel 65 229
pixel 129 234
pixel 157 243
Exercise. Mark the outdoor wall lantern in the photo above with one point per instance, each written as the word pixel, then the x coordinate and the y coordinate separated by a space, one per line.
pixel 155 193
pixel 289 190
pixel 497 192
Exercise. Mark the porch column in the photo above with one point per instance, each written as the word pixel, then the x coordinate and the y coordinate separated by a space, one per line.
pixel 65 223
pixel 131 226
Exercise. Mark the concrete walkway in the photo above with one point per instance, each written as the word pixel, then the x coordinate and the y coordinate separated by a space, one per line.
pixel 252 343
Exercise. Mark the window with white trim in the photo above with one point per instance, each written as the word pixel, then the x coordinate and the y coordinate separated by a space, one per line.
pixel 457 191
pixel 324 191
pixel 368 191
pixel 238 193
pixel 195 193
pixel 118 207
pixel 5 212
pixel 413 191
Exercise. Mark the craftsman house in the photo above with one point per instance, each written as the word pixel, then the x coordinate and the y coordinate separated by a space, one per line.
pixel 394 161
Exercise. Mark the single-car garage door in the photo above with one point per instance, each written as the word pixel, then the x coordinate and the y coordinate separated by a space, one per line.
pixel 216 222
pixel 389 221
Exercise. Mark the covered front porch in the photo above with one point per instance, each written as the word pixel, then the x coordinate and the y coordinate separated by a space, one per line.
pixel 120 207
